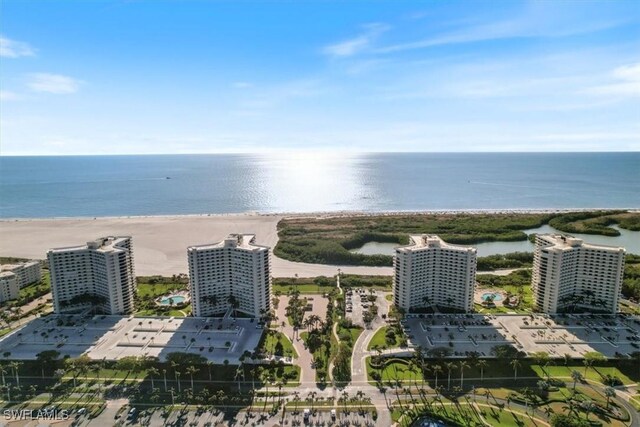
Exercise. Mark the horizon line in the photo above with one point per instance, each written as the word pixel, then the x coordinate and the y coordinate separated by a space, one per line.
pixel 224 153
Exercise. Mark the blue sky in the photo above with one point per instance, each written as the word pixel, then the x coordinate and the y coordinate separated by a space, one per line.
pixel 127 77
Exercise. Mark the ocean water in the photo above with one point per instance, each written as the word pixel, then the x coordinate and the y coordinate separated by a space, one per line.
pixel 91 186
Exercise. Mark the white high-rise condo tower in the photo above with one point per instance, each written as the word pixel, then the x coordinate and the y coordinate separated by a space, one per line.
pixel 231 274
pixel 98 275
pixel 431 272
pixel 570 274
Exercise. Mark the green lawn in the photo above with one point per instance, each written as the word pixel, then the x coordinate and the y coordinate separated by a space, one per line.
pixel 398 371
pixel 183 312
pixel 270 342
pixel 526 304
pixel 42 287
pixel 464 413
pixel 159 289
pixel 595 373
pixel 354 333
pixel 147 292
pixel 499 369
pixel 379 339
pixel 323 354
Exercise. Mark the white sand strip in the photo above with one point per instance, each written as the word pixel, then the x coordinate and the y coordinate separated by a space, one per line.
pixel 160 243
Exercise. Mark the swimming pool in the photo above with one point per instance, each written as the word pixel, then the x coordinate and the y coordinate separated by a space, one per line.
pixel 496 297
pixel 172 300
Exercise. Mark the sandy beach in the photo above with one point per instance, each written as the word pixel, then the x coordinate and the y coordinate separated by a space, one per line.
pixel 160 242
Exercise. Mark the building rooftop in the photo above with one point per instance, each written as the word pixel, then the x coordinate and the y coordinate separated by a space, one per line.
pixel 102 244
pixel 21 264
pixel 242 241
pixel 566 242
pixel 4 274
pixel 425 241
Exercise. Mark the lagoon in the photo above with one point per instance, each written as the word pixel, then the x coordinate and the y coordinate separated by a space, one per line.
pixel 627 239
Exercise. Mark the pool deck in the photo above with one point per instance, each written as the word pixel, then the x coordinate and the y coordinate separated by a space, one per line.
pixel 480 292
pixel 183 294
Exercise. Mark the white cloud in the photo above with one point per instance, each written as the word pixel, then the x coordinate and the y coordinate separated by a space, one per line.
pixel 53 83
pixel 536 20
pixel 357 44
pixel 6 95
pixel 241 85
pixel 14 49
pixel 628 72
pixel 626 82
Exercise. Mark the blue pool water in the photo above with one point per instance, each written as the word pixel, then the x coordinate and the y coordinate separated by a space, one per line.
pixel 496 297
pixel 172 299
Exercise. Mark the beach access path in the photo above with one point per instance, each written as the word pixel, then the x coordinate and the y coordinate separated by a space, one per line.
pixel 160 242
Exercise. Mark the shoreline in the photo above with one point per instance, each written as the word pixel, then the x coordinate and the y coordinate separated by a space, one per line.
pixel 325 214
pixel 161 241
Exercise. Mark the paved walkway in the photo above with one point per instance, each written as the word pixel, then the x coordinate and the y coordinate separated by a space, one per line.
pixel 360 352
pixel 305 358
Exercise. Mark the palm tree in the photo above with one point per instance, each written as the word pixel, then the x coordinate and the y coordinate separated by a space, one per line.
pixel 152 371
pixel 462 366
pixel 209 366
pixel 2 372
pixel 481 364
pixel 16 367
pixel 588 406
pixel 296 400
pixel 576 376
pixel 436 370
pixel 361 396
pixel 59 373
pixel 528 397
pixel 345 398
pixel 609 392
pixel 541 358
pixel 95 368
pixel 548 411
pixel 426 300
pixel 239 373
pixel 164 374
pixel 46 358
pixel 515 364
pixel 587 364
pixel 449 366
pixel 234 303
pixel 570 406
pixel 192 370
pixel 311 398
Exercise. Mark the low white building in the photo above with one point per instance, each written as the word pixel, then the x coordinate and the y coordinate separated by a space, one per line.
pixel 233 272
pixel 98 274
pixel 26 272
pixel 431 272
pixel 9 288
pixel 571 274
